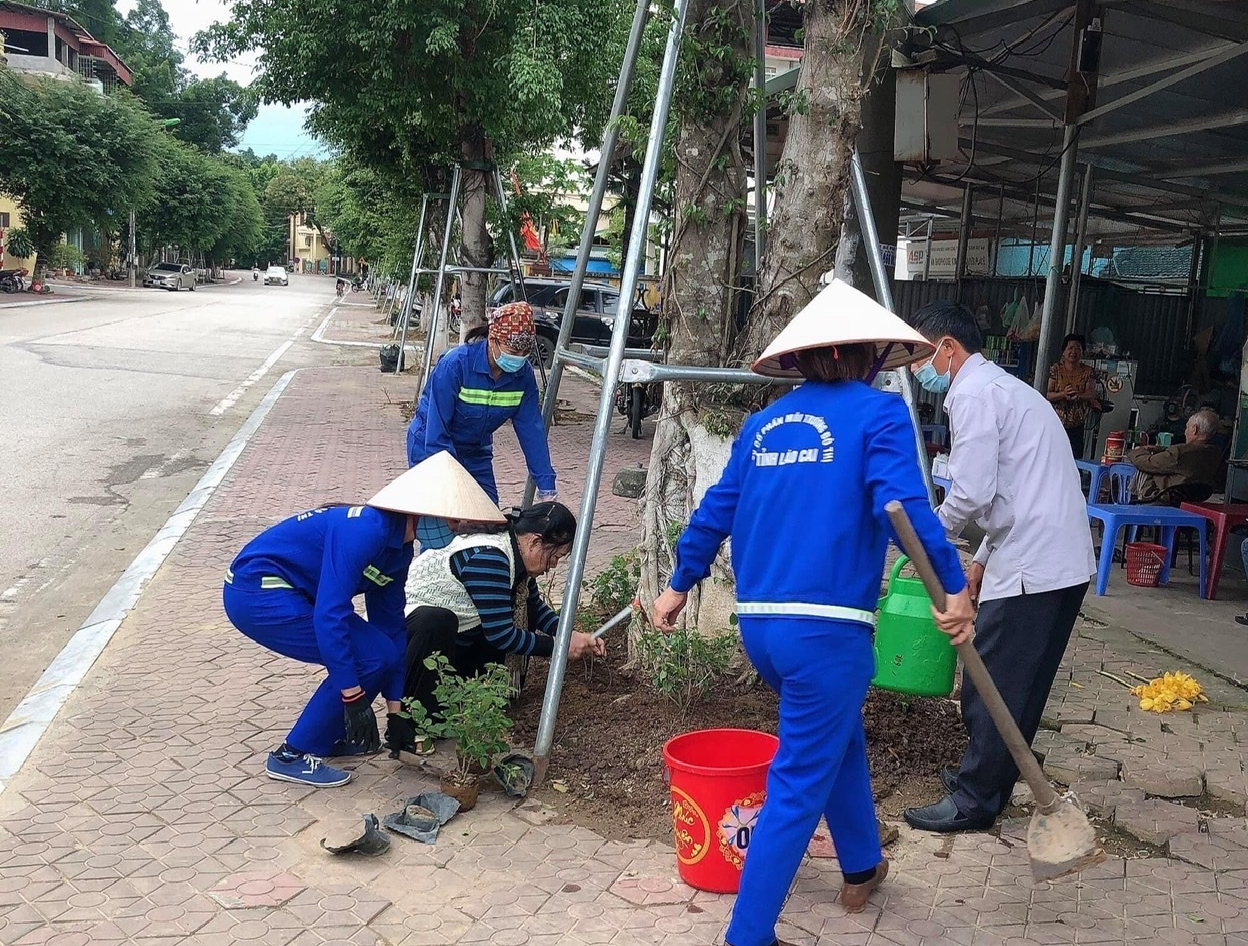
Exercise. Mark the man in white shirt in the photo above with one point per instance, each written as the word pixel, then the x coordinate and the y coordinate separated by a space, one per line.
pixel 1014 476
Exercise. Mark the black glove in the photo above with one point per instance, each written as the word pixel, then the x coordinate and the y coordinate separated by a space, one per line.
pixel 400 734
pixel 361 722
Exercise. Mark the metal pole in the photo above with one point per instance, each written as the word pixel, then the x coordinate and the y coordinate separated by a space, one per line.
pixel 411 295
pixel 1076 257
pixel 615 621
pixel 964 232
pixel 884 295
pixel 134 259
pixel 927 249
pixel 511 237
pixel 435 320
pixel 1057 253
pixel 609 141
pixel 996 238
pixel 760 135
pixel 606 399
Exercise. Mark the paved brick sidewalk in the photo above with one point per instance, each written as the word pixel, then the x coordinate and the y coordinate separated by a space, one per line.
pixel 143 816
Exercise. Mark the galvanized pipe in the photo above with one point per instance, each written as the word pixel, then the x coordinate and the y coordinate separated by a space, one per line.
pixel 619 618
pixel 606 398
pixel 610 140
pixel 1076 257
pixel 407 308
pixel 592 363
pixel 640 371
pixel 1057 254
pixel 884 295
pixel 435 319
pixel 760 135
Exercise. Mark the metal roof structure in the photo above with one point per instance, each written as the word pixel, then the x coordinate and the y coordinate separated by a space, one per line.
pixel 1166 133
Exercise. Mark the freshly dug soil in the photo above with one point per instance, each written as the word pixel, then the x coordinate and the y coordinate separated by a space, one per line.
pixel 606 768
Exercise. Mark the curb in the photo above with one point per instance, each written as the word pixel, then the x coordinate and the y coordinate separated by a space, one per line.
pixel 35 302
pixel 319 336
pixel 21 732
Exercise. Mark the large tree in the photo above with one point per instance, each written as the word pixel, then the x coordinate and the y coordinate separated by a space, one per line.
pixel 73 157
pixel 697 423
pixel 463 80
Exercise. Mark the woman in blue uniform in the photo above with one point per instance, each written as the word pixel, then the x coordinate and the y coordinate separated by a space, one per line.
pixel 291 589
pixel 473 391
pixel 803 497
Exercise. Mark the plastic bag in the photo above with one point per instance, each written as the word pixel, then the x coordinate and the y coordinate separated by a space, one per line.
pixel 390 360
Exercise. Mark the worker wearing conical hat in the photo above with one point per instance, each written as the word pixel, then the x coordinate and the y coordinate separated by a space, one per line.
pixel 803 497
pixel 291 589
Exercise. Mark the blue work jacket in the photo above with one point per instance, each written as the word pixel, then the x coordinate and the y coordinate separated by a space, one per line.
pixel 803 499
pixel 329 556
pixel 463 404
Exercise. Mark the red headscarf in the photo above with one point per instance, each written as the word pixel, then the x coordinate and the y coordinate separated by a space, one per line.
pixel 512 326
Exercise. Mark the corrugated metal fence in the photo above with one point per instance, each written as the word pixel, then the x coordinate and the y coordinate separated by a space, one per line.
pixel 1150 326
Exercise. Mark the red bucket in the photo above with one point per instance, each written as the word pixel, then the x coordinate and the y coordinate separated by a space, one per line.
pixel 718 783
pixel 1144 561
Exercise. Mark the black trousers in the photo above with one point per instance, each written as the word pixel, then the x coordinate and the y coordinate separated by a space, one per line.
pixel 1076 441
pixel 436 630
pixel 1021 640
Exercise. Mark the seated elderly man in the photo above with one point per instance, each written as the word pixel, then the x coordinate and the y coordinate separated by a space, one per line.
pixel 1185 472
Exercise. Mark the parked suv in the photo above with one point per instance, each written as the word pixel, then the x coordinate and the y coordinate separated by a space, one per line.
pixel 595 316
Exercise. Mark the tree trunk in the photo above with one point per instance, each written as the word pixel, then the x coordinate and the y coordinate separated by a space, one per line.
pixel 699 294
pixel 476 247
pixel 813 177
pixel 811 186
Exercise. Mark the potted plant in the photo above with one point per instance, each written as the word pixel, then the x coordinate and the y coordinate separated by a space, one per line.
pixel 473 716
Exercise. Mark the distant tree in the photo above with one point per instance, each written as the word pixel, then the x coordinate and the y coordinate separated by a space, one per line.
pixel 455 79
pixel 72 156
pixel 214 113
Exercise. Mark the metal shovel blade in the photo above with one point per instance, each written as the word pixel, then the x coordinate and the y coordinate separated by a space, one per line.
pixel 1061 840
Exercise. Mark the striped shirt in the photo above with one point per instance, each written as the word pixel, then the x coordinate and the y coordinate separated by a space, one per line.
pixel 485 574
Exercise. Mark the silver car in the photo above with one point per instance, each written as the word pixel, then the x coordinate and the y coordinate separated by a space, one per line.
pixel 276 276
pixel 171 276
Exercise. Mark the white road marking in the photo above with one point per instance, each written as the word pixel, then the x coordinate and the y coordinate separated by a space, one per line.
pixel 232 398
pixel 159 468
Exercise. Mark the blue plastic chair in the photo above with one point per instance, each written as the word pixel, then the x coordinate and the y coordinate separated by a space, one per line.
pixel 1096 474
pixel 1166 518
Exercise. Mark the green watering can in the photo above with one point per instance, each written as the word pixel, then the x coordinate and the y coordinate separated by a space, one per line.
pixel 912 655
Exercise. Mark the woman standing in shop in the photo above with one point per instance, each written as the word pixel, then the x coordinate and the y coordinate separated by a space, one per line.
pixel 1072 391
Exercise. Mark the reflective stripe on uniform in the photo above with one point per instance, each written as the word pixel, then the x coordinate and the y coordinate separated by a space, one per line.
pixel 229 576
pixel 272 581
pixel 354 512
pixel 376 577
pixel 490 398
pixel 803 610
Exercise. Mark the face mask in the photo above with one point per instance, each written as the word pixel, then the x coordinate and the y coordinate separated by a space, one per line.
pixel 510 363
pixel 930 380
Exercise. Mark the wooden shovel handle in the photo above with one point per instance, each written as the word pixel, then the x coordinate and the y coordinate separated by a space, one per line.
pixel 974 664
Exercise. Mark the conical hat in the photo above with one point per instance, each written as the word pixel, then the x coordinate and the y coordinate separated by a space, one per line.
pixel 841 315
pixel 438 486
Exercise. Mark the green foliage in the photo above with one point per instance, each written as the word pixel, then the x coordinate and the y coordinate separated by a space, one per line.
pixel 684 665
pixel 473 714
pixel 213 113
pixel 65 256
pixel 72 156
pixel 614 588
pixel 17 242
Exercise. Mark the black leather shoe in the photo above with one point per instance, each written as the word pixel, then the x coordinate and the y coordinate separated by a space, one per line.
pixel 949 779
pixel 1242 619
pixel 944 818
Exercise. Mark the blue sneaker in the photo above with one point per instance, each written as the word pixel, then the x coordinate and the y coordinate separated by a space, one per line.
pixel 305 770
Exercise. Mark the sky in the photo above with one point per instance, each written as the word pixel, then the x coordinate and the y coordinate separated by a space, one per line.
pixel 277 129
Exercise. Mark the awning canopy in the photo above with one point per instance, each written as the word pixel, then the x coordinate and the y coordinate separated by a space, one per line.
pixel 1167 135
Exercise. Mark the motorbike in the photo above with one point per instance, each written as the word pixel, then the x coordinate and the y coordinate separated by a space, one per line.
pixel 638 400
pixel 255 275
pixel 340 287
pixel 357 284
pixel 12 280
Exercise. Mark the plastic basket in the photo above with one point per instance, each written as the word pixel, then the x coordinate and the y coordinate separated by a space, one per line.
pixel 1144 561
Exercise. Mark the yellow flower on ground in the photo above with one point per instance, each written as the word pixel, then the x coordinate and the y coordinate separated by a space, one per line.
pixel 1171 691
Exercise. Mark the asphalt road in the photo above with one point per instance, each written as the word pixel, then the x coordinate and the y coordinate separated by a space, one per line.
pixel 113 403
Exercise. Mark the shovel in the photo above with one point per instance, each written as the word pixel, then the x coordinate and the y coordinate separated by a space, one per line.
pixel 1060 840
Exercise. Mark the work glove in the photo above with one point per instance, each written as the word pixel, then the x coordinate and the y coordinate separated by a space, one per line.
pixel 400 734
pixel 361 722
pixel 547 495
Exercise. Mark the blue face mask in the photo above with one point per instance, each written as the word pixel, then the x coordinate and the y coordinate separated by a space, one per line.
pixel 510 363
pixel 930 379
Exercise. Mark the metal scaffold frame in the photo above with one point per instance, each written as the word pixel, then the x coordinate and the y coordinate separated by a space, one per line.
pixel 434 325
pixel 616 367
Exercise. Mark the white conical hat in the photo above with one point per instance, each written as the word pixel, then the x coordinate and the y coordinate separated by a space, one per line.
pixel 841 315
pixel 438 486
